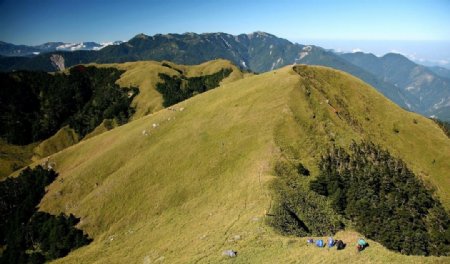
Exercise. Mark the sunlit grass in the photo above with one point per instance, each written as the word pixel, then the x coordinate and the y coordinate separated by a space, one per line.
pixel 198 184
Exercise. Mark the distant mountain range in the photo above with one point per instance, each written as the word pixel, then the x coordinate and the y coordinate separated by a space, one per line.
pixel 412 86
pixel 441 71
pixel 428 88
pixel 8 49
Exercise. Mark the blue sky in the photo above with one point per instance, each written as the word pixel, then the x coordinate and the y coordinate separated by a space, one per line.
pixel 38 21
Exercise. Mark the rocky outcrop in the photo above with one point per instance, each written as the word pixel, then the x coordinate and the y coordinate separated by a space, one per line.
pixel 58 62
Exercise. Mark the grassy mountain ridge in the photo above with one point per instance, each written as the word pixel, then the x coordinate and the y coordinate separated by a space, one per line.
pixel 198 184
pixel 137 74
pixel 145 75
pixel 319 56
pixel 258 51
pixel 65 137
pixel 13 157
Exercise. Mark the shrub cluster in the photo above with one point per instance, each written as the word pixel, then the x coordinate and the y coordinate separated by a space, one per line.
pixel 298 211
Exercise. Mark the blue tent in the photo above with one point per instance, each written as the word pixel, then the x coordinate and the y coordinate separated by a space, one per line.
pixel 319 243
pixel 330 242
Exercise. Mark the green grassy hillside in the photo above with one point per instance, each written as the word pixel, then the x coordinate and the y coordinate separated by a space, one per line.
pixel 144 74
pixel 14 157
pixel 65 137
pixel 183 185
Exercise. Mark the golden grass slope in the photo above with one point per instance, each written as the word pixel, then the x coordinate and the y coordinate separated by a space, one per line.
pixel 144 74
pixel 363 113
pixel 106 125
pixel 198 183
pixel 65 137
pixel 14 157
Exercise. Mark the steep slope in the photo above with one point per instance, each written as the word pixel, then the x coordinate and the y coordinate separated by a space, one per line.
pixel 144 75
pixel 427 91
pixel 65 137
pixel 14 157
pixel 317 56
pixel 198 182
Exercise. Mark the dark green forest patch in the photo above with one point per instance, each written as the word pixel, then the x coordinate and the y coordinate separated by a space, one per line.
pixel 34 105
pixel 367 189
pixel 384 200
pixel 29 236
pixel 175 89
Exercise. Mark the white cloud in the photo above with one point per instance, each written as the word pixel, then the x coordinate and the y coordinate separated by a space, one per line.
pixel 356 50
pixel 397 52
pixel 71 46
